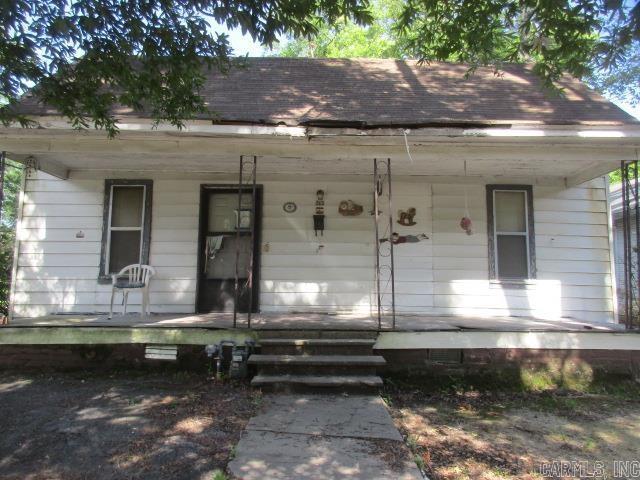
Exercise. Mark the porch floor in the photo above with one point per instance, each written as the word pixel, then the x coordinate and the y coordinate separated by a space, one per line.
pixel 317 321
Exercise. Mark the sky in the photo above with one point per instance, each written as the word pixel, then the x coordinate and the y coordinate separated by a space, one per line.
pixel 244 45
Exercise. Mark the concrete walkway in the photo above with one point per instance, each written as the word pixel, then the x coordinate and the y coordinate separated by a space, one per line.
pixel 322 437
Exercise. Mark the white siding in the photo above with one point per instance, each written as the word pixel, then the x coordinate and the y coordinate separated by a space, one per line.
pixel 447 274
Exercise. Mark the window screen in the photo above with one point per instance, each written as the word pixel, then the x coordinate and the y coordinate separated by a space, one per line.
pixel 126 226
pixel 511 246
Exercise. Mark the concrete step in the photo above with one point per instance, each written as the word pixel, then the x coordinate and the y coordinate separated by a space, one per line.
pixel 304 382
pixel 318 360
pixel 317 346
pixel 317 364
pixel 318 341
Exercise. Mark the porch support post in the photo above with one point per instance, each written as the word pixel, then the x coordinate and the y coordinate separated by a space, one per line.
pixel 635 315
pixel 393 277
pixel 248 286
pixel 253 234
pixel 237 226
pixel 3 158
pixel 631 242
pixel 625 239
pixel 378 187
pixel 376 211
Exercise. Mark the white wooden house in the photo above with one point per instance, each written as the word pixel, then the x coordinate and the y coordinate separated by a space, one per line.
pixel 526 166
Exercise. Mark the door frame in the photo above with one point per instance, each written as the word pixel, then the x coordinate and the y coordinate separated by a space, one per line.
pixel 203 211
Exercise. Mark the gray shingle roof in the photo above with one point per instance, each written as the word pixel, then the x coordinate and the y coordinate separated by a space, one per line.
pixel 377 92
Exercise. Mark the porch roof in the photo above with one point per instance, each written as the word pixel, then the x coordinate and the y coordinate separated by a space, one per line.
pixel 335 115
pixel 563 155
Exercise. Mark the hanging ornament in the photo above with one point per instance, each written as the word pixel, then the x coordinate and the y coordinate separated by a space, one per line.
pixel 465 223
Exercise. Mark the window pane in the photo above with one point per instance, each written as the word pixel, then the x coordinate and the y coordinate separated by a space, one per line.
pixel 124 250
pixel 221 258
pixel 126 206
pixel 510 212
pixel 222 211
pixel 512 256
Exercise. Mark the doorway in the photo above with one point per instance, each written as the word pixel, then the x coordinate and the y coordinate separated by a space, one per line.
pixel 224 235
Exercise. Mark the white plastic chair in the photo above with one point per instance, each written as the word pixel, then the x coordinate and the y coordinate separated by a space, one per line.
pixel 132 278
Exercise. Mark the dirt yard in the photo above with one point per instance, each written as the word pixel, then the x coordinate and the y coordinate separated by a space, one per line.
pixel 70 426
pixel 487 436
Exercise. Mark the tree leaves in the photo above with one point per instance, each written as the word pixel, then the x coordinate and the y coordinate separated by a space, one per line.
pixel 86 58
pixel 588 39
pixel 12 184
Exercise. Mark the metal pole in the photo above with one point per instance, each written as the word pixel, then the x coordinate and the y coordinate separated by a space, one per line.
pixel 3 158
pixel 253 228
pixel 375 217
pixel 625 238
pixel 393 282
pixel 628 248
pixel 236 285
pixel 636 286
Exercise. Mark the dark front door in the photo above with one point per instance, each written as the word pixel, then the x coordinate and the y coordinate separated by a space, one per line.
pixel 220 222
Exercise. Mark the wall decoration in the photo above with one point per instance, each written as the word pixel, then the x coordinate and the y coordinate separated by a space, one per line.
pixel 289 207
pixel 466 225
pixel 465 221
pixel 349 208
pixel 406 217
pixel 396 238
pixel 318 218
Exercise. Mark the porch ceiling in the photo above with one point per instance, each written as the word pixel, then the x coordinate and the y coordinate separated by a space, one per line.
pixel 566 156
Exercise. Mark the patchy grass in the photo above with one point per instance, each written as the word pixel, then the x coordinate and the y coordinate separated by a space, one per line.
pixel 461 432
pixel 124 425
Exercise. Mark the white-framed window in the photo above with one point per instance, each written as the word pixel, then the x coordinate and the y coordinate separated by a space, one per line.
pixel 126 224
pixel 511 236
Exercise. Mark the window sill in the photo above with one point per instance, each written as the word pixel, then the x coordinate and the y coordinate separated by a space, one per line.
pixel 513 284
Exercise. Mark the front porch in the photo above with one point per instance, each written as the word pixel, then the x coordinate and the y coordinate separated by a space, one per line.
pixel 418 342
pixel 318 321
pixel 444 282
pixel 412 333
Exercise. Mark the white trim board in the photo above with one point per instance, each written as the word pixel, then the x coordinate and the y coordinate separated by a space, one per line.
pixel 508 340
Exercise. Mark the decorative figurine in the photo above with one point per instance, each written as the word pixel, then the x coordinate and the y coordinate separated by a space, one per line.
pixel 349 208
pixel 397 238
pixel 318 218
pixel 406 218
pixel 466 225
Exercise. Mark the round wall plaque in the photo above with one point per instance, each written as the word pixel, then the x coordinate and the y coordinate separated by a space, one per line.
pixel 289 207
